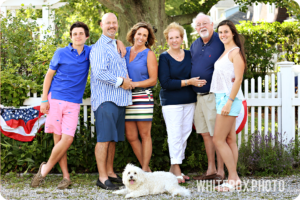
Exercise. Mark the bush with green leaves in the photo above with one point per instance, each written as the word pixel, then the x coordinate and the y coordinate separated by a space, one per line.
pixel 264 40
pixel 24 59
pixel 267 155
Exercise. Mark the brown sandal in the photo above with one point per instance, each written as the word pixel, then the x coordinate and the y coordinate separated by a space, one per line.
pixel 218 180
pixel 205 177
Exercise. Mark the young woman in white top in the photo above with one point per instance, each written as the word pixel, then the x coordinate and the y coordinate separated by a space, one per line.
pixel 230 65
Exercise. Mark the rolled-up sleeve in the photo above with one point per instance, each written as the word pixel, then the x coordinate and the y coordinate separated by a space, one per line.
pixel 99 66
pixel 164 75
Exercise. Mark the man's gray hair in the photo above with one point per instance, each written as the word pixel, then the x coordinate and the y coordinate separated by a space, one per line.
pixel 194 23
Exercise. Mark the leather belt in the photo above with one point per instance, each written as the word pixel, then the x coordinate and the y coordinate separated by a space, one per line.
pixel 203 94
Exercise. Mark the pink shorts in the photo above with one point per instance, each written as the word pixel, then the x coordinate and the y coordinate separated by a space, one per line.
pixel 62 117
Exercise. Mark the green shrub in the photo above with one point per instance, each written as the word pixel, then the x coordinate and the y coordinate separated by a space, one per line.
pixel 264 40
pixel 24 59
pixel 267 155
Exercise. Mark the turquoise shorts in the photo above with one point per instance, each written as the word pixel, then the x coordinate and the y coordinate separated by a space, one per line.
pixel 222 98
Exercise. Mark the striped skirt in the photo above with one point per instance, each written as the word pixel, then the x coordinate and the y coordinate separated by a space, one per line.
pixel 142 106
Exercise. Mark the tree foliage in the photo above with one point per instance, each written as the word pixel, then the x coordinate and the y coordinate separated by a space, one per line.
pixel 292 7
pixel 24 59
pixel 89 12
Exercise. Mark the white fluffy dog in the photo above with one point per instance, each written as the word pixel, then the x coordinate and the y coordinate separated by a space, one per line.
pixel 139 183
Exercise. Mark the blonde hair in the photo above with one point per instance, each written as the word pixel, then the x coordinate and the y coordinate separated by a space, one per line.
pixel 175 26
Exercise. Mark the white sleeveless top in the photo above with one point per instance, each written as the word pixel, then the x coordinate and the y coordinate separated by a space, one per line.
pixel 223 75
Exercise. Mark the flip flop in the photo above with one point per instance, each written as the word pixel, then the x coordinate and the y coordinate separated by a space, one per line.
pixel 180 178
pixel 182 174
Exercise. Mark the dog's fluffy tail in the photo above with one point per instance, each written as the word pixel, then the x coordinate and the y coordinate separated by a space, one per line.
pixel 178 190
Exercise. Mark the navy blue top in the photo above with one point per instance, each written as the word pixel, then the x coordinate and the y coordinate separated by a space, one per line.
pixel 72 70
pixel 204 57
pixel 137 68
pixel 170 74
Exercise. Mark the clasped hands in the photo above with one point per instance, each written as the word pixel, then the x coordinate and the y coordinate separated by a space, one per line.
pixel 128 84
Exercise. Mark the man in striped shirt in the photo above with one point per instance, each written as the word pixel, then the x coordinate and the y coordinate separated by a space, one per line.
pixel 110 94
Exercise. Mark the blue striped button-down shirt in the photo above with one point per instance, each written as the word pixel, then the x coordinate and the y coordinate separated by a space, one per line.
pixel 106 66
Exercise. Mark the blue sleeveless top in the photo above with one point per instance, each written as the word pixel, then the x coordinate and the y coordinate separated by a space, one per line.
pixel 137 69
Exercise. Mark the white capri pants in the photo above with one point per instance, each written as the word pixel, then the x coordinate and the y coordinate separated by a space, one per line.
pixel 179 122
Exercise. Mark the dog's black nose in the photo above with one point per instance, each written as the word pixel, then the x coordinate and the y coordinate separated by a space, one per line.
pixel 131 177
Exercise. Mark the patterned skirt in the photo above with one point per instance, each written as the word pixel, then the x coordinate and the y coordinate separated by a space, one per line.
pixel 142 105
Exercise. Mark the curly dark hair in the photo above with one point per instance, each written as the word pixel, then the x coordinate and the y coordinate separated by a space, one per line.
pixel 133 30
pixel 80 25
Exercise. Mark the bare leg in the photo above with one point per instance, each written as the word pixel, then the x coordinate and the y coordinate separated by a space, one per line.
pixel 57 153
pixel 210 152
pixel 145 133
pixel 63 161
pixel 101 149
pixel 220 168
pixel 110 159
pixel 231 141
pixel 132 137
pixel 223 129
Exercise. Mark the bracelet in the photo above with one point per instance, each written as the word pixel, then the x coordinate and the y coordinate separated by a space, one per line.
pixel 230 99
pixel 45 101
pixel 185 81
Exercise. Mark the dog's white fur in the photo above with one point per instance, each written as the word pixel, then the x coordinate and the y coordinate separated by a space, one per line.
pixel 139 183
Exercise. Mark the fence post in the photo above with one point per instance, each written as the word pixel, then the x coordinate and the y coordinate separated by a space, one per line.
pixel 286 96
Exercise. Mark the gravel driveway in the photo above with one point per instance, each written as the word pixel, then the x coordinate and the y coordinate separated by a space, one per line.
pixel 83 187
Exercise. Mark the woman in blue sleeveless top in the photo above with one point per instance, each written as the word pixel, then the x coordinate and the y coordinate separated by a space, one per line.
pixel 142 69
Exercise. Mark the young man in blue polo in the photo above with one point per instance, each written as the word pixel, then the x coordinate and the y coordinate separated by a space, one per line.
pixel 62 95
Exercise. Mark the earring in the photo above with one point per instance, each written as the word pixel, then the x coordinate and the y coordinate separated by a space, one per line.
pixel 146 43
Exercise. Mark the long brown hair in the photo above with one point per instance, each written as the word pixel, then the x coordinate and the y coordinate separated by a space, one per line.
pixel 237 38
pixel 133 30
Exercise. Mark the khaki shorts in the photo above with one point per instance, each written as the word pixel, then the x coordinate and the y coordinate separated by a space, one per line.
pixel 205 114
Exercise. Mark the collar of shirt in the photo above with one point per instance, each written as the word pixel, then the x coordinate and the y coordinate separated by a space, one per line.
pixel 210 41
pixel 107 39
pixel 72 49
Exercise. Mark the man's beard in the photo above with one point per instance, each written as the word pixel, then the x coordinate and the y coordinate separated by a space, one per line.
pixel 111 34
pixel 204 35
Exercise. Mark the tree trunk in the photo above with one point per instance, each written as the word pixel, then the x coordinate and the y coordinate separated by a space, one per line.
pixel 152 11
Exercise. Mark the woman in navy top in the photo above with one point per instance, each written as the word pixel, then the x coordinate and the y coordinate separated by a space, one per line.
pixel 177 96
pixel 142 69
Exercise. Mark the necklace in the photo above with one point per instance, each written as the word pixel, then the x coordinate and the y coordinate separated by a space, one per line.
pixel 176 56
pixel 136 51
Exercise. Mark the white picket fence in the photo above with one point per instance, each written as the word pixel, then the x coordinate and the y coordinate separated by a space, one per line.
pixel 280 102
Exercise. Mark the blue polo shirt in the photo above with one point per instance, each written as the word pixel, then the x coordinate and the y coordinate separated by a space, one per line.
pixel 204 57
pixel 72 71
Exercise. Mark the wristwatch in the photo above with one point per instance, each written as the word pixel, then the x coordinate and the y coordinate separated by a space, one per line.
pixel 122 82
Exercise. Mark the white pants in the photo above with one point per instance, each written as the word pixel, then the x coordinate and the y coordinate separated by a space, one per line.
pixel 179 122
